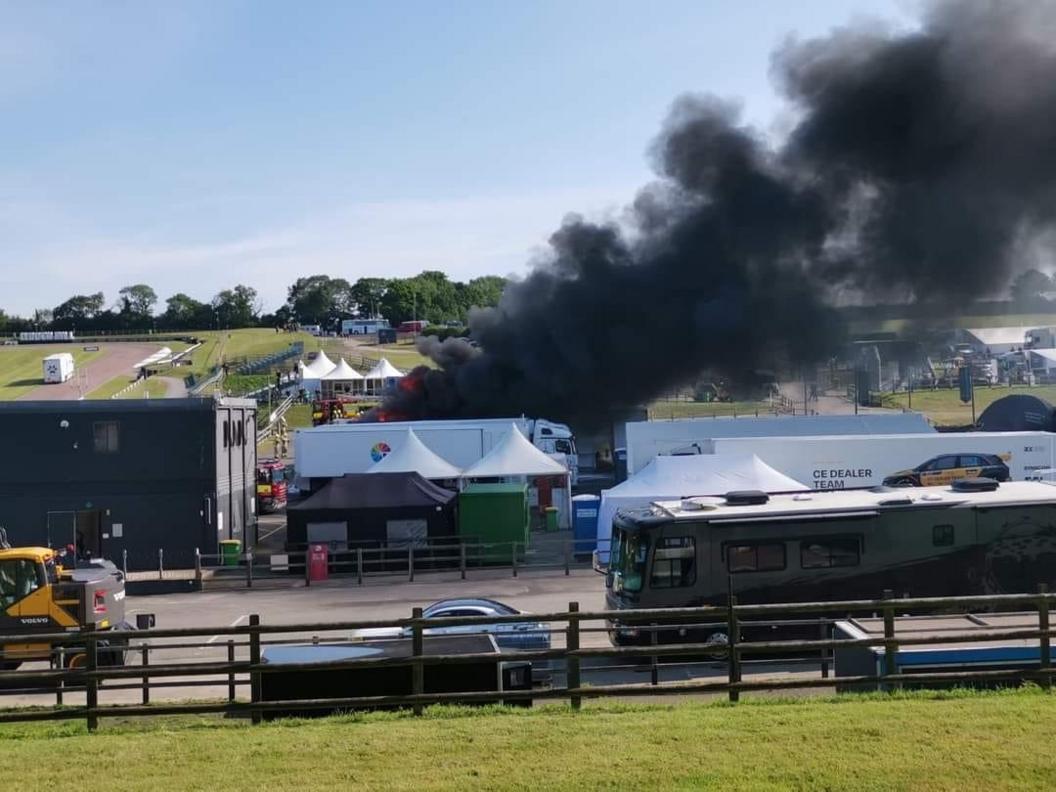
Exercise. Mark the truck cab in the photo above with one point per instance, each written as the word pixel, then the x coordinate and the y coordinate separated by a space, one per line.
pixel 556 438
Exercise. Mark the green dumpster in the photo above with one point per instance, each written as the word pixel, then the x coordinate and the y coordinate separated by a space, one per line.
pixel 229 551
pixel 551 518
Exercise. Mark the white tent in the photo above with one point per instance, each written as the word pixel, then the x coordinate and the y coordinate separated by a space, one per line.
pixel 342 380
pixel 382 376
pixel 514 456
pixel 312 374
pixel 411 455
pixel 342 372
pixel 672 477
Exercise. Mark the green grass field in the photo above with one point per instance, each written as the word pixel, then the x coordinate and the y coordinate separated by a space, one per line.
pixel 953 741
pixel 668 409
pixel 944 406
pixel 21 369
pixel 966 322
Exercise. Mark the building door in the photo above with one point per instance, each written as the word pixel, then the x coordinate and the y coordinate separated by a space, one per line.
pixel 62 529
pixel 89 542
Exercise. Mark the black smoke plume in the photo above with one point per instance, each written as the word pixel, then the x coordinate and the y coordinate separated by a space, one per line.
pixel 921 166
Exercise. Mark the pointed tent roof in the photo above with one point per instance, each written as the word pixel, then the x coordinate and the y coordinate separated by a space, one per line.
pixel 384 370
pixel 342 372
pixel 672 477
pixel 514 456
pixel 318 368
pixel 411 455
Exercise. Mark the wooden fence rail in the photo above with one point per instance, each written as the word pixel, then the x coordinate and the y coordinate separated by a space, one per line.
pixel 91 676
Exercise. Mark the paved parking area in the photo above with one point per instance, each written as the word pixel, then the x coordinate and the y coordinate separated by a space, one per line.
pixel 343 600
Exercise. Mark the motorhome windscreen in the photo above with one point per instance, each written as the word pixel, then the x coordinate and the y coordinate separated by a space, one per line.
pixel 627 562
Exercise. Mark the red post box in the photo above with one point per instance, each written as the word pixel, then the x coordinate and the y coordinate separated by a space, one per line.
pixel 318 562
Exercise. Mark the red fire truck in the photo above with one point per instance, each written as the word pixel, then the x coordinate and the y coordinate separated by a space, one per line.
pixel 271 485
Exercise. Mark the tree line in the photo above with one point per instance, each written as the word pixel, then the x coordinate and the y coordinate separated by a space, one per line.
pixel 313 300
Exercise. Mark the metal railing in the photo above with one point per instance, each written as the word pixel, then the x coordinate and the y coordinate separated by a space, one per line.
pixel 395 561
pixel 87 652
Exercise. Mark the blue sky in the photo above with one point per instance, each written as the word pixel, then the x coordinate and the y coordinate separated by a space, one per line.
pixel 193 146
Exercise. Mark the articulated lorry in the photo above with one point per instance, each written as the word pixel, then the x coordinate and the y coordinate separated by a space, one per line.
pixel 325 452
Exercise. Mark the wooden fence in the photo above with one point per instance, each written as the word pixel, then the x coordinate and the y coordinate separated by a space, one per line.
pixel 89 675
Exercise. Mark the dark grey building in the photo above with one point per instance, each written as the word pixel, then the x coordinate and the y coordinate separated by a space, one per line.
pixel 129 475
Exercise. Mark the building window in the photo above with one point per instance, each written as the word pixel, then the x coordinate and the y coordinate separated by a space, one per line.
pixel 756 557
pixel 107 437
pixel 674 562
pixel 227 433
pixel 829 552
pixel 942 535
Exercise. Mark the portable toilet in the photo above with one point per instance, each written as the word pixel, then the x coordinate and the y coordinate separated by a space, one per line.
pixel 585 523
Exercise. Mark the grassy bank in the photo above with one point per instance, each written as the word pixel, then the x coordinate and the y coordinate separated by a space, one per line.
pixel 934 742
pixel 21 369
pixel 668 409
pixel 945 408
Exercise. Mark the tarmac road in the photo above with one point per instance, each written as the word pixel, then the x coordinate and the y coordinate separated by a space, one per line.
pixel 533 591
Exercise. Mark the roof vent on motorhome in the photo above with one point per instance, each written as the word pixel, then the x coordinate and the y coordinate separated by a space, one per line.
pixel 974 485
pixel 700 504
pixel 746 498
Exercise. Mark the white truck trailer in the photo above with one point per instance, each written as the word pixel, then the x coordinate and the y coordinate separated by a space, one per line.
pixel 849 462
pixel 58 367
pixel 336 449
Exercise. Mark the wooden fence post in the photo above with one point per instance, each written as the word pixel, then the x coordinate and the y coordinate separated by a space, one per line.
pixel 254 659
pixel 145 653
pixel 890 649
pixel 410 563
pixel 733 654
pixel 231 675
pixel 462 559
pixel 161 563
pixel 62 682
pixel 359 564
pixel 198 567
pixel 91 647
pixel 572 662
pixel 513 546
pixel 654 661
pixel 417 669
pixel 249 569
pixel 568 556
pixel 823 628
pixel 1045 642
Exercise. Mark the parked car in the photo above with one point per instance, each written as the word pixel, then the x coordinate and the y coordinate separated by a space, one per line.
pixel 519 636
pixel 948 468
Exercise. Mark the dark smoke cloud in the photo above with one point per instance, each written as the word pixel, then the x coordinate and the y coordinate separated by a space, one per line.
pixel 919 167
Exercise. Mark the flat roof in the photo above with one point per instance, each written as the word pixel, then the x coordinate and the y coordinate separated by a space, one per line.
pixel 856 501
pixel 121 405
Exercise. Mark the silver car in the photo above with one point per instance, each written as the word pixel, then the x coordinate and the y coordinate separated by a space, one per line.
pixel 518 636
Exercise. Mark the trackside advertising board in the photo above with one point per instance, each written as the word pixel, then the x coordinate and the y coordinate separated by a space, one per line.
pixel 849 462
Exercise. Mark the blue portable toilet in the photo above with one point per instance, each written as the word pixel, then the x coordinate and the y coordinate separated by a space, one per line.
pixel 585 524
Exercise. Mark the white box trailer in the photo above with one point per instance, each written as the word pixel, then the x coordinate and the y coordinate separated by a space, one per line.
pixel 647 439
pixel 58 367
pixel 336 449
pixel 848 462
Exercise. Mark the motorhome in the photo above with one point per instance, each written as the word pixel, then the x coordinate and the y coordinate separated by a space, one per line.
pixel 974 536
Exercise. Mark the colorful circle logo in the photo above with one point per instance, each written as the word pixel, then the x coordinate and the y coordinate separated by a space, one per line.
pixel 379 451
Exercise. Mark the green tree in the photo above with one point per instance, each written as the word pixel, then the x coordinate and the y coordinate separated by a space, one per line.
pixel 482 292
pixel 79 309
pixel 237 307
pixel 1030 285
pixel 186 313
pixel 366 295
pixel 320 299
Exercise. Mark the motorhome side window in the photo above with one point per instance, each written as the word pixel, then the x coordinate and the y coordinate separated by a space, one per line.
pixel 768 557
pixel 829 551
pixel 942 535
pixel 674 562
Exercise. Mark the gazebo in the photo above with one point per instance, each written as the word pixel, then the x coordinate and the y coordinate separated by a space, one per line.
pixel 342 380
pixel 313 373
pixel 411 455
pixel 383 376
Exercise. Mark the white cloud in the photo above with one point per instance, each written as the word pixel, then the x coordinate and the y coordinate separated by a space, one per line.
pixel 462 237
